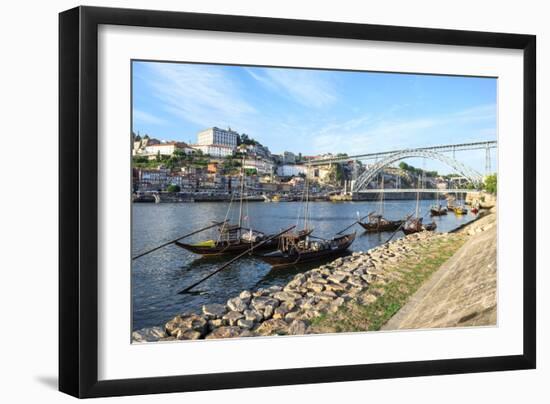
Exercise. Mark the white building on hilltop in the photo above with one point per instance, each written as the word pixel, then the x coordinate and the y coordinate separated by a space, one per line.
pixel 215 150
pixel 217 136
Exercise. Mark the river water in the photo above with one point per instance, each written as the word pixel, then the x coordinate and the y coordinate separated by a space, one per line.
pixel 158 277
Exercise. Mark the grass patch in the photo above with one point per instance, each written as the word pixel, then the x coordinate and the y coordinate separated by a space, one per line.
pixel 413 271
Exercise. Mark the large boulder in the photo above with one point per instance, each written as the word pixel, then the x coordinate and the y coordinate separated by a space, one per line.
pixel 232 317
pixel 297 327
pixel 287 296
pixel 237 304
pixel 190 322
pixel 253 315
pixel 152 334
pixel 214 310
pixel 183 334
pixel 225 332
pixel 246 324
pixel 273 327
pixel 245 295
pixel 261 302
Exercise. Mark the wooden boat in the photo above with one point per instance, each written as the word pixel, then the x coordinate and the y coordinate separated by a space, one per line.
pixel 460 210
pixel 438 211
pixel 416 225
pixel 413 226
pixel 378 224
pixel 235 240
pixel 292 252
pixel 430 227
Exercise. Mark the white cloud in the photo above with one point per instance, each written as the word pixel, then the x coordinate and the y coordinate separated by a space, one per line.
pixel 203 95
pixel 309 88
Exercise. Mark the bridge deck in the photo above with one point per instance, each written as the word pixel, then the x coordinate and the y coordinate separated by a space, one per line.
pixel 490 144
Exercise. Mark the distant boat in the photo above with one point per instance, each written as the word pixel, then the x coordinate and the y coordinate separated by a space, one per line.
pixel 378 223
pixel 415 224
pixel 437 209
pixel 459 209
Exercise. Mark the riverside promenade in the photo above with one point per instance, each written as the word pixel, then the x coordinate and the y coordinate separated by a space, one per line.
pixel 423 280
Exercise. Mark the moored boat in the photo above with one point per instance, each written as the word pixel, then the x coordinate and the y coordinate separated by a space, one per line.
pixel 292 251
pixel 460 210
pixel 438 211
pixel 378 224
pixel 415 225
pixel 235 240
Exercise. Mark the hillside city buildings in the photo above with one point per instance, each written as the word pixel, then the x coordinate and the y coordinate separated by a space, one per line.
pixel 213 164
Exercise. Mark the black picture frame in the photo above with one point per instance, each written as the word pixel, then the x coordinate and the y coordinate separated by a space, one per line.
pixel 78 203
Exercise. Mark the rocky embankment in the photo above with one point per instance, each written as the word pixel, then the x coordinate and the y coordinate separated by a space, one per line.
pixel 294 309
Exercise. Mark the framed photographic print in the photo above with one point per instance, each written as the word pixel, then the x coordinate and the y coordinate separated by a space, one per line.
pixel 251 201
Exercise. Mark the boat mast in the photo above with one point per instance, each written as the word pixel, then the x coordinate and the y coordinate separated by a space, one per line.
pixel 242 191
pixel 382 197
pixel 417 199
pixel 306 210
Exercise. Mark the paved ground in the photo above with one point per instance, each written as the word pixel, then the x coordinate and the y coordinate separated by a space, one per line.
pixel 463 291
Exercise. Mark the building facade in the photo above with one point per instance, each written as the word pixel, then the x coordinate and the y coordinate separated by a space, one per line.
pixel 215 150
pixel 261 166
pixel 291 170
pixel 167 149
pixel 217 136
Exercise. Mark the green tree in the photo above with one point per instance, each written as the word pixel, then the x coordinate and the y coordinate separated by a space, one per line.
pixel 490 184
pixel 173 188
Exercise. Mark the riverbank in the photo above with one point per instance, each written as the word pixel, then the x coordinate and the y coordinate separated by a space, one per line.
pixel 358 292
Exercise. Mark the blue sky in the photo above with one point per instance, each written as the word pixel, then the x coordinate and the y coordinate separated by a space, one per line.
pixel 316 111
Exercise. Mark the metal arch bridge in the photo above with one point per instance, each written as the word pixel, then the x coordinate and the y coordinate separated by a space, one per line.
pixel 434 152
pixel 366 177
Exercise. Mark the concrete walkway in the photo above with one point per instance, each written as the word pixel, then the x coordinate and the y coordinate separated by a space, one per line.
pixel 463 292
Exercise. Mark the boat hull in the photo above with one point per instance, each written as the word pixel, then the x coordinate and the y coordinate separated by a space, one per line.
pixel 279 259
pixel 235 248
pixel 381 227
